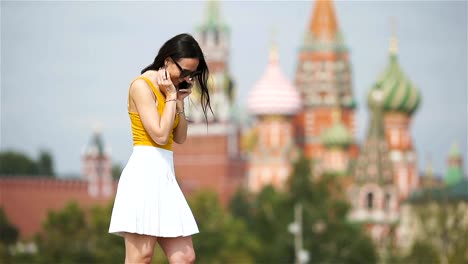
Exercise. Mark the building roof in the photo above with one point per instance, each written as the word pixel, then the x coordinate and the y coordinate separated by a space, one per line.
pixel 399 93
pixel 273 94
pixel 323 24
pixel 337 135
pixel 323 32
pixel 456 192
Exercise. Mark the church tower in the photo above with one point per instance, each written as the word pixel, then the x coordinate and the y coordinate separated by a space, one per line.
pixel 213 37
pixel 210 157
pixel 336 140
pixel 323 76
pixel 386 172
pixel 273 101
pixel 455 172
pixel 400 100
pixel 373 193
pixel 97 168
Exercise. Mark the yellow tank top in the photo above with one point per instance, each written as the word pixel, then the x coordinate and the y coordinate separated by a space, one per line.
pixel 140 136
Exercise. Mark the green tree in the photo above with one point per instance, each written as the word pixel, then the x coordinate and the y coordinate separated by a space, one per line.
pixel 271 217
pixel 8 237
pixel 422 252
pixel 15 163
pixel 327 234
pixel 107 248
pixel 441 225
pixel 222 238
pixel 45 164
pixel 9 231
pixel 65 237
pixel 116 171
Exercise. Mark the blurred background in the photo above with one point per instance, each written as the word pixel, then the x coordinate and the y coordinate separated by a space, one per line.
pixel 338 133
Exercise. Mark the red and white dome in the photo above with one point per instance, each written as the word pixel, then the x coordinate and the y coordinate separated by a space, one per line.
pixel 273 94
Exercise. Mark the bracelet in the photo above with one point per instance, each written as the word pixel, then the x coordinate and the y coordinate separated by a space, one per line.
pixel 170 100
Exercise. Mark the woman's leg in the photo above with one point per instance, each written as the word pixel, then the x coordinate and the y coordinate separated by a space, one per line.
pixel 178 249
pixel 139 248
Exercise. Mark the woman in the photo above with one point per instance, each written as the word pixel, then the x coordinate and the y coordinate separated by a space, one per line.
pixel 149 205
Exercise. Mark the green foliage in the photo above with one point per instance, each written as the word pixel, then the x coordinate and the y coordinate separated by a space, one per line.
pixel 116 171
pixel 74 235
pixel 8 237
pixel 45 164
pixel 107 248
pixel 15 163
pixel 442 228
pixel 271 217
pixel 327 235
pixel 222 238
pixel 9 233
pixel 422 252
pixel 64 237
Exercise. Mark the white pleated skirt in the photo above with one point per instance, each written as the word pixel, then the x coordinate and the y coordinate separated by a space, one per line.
pixel 149 200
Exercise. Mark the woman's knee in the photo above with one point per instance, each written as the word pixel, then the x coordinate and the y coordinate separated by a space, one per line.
pixel 186 257
pixel 140 259
pixel 139 248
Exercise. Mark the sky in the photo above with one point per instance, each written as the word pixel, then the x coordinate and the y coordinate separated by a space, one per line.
pixel 66 66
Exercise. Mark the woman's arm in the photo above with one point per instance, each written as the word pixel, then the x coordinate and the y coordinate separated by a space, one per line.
pixel 158 127
pixel 180 132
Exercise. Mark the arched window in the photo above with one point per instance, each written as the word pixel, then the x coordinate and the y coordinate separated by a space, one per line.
pixel 370 201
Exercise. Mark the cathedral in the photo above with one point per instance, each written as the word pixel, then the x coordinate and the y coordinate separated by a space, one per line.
pixel 312 115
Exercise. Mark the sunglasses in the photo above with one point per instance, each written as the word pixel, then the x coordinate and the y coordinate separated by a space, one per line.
pixel 184 72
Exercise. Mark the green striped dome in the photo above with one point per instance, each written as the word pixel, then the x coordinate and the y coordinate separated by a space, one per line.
pixel 398 93
pixel 336 136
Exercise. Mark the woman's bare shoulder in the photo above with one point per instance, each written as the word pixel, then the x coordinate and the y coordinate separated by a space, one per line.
pixel 139 86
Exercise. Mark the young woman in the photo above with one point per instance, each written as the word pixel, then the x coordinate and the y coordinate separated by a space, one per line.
pixel 149 206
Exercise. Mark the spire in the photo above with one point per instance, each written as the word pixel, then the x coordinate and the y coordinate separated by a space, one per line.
pixel 393 47
pixel 212 17
pixel 273 56
pixel 212 12
pixel 376 129
pixel 323 24
pixel 454 150
pixel 374 163
pixel 429 171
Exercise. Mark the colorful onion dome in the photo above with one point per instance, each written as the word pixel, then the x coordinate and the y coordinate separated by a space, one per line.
pixel 273 94
pixel 399 94
pixel 337 135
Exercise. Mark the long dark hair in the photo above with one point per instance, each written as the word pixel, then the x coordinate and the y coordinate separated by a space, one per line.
pixel 185 46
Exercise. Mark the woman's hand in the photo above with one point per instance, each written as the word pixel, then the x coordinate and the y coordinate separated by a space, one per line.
pixel 182 93
pixel 163 80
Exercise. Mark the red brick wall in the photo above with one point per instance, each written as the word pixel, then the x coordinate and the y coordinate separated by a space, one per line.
pixel 26 201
